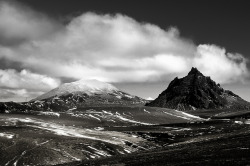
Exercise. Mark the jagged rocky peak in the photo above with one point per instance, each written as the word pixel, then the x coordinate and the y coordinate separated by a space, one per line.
pixel 195 71
pixel 196 91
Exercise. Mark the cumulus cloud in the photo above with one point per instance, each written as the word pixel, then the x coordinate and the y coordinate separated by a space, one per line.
pixel 112 48
pixel 26 80
pixel 17 95
pixel 117 49
pixel 222 66
pixel 24 84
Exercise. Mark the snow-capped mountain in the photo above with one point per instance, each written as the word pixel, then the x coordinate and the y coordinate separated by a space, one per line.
pixel 84 93
pixel 89 87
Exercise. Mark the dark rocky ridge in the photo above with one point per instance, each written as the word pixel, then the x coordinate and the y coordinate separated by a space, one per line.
pixel 196 91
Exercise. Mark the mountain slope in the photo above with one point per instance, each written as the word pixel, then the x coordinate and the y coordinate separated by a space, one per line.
pixel 87 86
pixel 84 93
pixel 196 91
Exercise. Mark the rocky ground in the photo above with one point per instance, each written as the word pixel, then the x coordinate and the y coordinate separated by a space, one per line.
pixel 122 136
pixel 50 138
pixel 209 143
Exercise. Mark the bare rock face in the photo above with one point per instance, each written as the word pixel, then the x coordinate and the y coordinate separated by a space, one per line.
pixel 196 91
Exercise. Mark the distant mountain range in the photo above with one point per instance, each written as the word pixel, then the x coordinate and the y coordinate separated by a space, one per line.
pixel 82 93
pixel 196 91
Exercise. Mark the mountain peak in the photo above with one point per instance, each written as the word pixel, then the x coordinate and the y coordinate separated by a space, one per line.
pixel 92 85
pixel 196 91
pixel 88 86
pixel 84 93
pixel 194 71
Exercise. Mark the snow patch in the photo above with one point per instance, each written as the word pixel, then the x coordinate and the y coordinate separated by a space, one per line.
pixel 112 137
pixel 87 86
pixel 99 128
pixel 100 152
pixel 238 122
pixel 128 96
pixel 7 135
pixel 132 121
pixel 189 115
pixel 183 129
pixel 247 121
pixel 146 111
pixel 119 97
pixel 92 116
pixel 107 112
pixel 126 150
pixel 50 114
pixel 183 115
pixel 72 109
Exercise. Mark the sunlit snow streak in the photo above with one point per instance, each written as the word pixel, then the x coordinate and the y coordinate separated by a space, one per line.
pixel 132 121
pixel 104 115
pixel 183 115
pixel 100 152
pixel 92 116
pixel 189 115
pixel 49 113
pixel 7 135
pixel 105 136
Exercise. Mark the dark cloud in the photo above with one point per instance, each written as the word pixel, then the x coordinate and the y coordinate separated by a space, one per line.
pixel 11 41
pixel 9 64
pixel 248 65
pixel 20 24
pixel 67 79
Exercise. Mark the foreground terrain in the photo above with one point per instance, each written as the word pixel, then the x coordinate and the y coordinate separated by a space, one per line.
pixel 215 143
pixel 123 136
pixel 50 138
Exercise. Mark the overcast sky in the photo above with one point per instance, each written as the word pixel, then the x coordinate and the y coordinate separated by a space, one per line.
pixel 139 47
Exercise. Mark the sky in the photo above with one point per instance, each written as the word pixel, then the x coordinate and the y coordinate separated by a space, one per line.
pixel 137 46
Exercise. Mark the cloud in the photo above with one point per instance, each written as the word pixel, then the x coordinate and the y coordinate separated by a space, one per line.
pixel 112 48
pixel 149 98
pixel 20 23
pixel 24 79
pixel 6 64
pixel 18 95
pixel 19 86
pixel 224 67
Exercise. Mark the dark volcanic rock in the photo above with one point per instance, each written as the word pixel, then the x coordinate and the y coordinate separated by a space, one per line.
pixel 196 91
